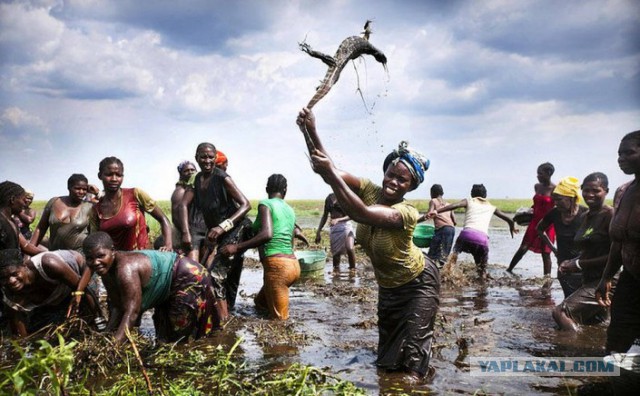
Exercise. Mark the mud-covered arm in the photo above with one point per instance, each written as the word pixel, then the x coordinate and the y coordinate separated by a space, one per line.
pixel 375 215
pixel 130 296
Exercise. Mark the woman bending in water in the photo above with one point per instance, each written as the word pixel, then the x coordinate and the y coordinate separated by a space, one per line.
pixel 274 228
pixel 177 288
pixel 38 291
pixel 409 283
pixel 593 240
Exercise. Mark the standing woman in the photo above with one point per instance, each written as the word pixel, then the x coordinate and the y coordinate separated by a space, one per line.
pixel 67 218
pixel 224 207
pixel 409 283
pixel 542 204
pixel 120 211
pixel 275 228
pixel 624 231
pixel 566 217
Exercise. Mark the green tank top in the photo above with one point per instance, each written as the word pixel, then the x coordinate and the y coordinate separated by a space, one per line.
pixel 159 285
pixel 284 219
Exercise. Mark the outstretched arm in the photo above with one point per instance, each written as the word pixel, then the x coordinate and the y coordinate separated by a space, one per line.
pixel 509 220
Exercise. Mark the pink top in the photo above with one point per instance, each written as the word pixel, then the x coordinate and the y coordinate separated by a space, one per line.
pixel 444 218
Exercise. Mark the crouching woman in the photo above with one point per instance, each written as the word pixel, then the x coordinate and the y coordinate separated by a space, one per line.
pixel 39 291
pixel 178 288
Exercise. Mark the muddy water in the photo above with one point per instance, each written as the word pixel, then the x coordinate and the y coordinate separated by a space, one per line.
pixel 333 326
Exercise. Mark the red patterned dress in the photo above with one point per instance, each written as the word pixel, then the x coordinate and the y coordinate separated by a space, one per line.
pixel 542 204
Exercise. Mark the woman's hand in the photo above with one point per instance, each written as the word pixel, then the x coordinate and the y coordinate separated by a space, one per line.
pixel 603 293
pixel 306 120
pixel 229 250
pixel 214 233
pixel 321 164
pixel 186 242
pixel 568 266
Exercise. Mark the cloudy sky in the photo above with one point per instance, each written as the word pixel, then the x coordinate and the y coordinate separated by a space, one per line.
pixel 486 89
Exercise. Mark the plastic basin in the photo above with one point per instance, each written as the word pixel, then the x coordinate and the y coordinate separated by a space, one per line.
pixel 423 234
pixel 311 260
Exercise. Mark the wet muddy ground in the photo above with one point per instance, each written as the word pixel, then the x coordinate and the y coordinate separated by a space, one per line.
pixel 333 326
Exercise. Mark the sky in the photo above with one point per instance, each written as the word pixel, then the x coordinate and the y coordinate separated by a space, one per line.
pixel 488 90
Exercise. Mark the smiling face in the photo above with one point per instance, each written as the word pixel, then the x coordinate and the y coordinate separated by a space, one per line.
pixel 100 259
pixel 112 176
pixel 629 156
pixel 206 158
pixel 13 278
pixel 594 194
pixel 397 181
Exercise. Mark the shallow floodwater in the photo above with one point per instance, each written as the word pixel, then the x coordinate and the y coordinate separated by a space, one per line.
pixel 333 326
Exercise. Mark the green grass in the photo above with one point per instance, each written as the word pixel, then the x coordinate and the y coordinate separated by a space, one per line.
pixel 314 208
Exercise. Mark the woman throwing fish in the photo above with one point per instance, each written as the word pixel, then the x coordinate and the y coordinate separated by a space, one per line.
pixel 409 282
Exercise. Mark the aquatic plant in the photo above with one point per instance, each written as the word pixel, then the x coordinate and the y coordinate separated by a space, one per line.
pixel 45 369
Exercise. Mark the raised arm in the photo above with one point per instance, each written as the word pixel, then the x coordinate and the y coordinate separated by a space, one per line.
pixel 307 123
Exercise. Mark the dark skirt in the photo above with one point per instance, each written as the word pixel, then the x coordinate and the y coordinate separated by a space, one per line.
pixel 225 271
pixel 406 317
pixel 624 327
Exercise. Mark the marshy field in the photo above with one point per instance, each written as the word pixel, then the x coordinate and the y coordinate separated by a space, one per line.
pixel 328 345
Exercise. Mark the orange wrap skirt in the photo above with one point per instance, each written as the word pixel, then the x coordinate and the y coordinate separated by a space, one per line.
pixel 279 273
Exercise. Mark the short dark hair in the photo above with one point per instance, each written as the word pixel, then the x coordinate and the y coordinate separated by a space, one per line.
pixel 597 177
pixel 276 183
pixel 10 258
pixel 478 190
pixel 75 178
pixel 109 161
pixel 547 168
pixel 635 135
pixel 97 239
pixel 205 145
pixel 436 191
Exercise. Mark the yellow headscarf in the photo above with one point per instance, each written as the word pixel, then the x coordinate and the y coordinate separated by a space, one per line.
pixel 568 187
